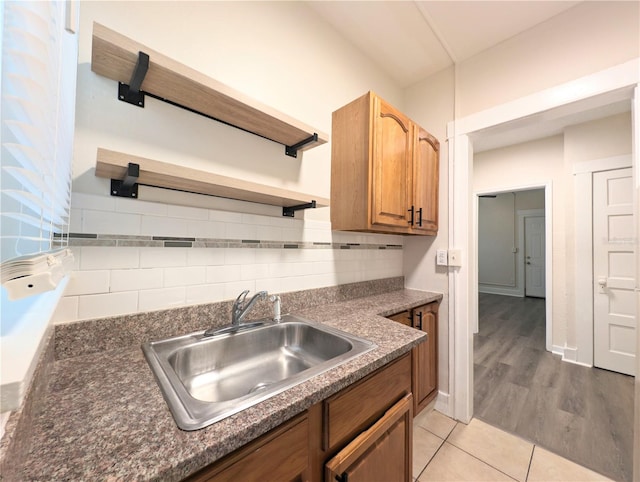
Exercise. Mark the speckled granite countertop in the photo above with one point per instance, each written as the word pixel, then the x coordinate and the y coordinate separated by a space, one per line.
pixel 104 417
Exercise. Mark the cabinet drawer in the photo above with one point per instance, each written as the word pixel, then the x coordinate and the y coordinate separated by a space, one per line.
pixel 280 455
pixel 353 410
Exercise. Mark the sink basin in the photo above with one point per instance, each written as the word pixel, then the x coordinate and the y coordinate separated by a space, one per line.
pixel 205 379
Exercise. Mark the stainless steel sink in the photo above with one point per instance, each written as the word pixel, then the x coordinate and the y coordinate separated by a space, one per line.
pixel 205 379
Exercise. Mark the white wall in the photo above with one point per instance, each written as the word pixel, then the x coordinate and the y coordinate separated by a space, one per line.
pixel 500 268
pixel 496 240
pixel 430 104
pixel 587 38
pixel 281 54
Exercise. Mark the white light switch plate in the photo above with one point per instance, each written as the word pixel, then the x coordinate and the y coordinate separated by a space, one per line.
pixel 441 257
pixel 455 257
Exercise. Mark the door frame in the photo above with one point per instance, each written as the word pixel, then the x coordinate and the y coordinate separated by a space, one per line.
pixel 583 187
pixel 602 88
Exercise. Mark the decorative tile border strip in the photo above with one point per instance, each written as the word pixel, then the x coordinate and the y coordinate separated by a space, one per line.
pixel 114 240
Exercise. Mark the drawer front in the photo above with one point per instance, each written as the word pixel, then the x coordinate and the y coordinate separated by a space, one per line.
pixel 280 455
pixel 351 411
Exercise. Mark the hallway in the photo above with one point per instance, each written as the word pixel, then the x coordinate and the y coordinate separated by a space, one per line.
pixel 583 414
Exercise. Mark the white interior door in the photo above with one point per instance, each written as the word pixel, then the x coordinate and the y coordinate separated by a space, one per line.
pixel 614 308
pixel 534 239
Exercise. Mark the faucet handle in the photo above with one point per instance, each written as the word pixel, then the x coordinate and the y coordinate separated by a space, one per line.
pixel 241 297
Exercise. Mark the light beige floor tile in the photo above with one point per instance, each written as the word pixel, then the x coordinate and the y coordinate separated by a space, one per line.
pixel 425 445
pixel 505 452
pixel 452 464
pixel 435 422
pixel 549 467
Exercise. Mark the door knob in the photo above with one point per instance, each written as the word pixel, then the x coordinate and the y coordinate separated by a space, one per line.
pixel 528 262
pixel 602 283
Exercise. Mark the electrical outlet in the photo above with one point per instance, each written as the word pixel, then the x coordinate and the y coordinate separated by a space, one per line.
pixel 441 257
pixel 455 257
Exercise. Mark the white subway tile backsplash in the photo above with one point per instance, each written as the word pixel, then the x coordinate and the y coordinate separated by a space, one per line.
pixel 88 282
pixel 162 298
pixel 136 279
pixel 225 216
pixel 163 226
pixel 136 206
pixel 206 229
pixel 240 255
pixel 163 257
pixel 116 280
pixel 108 222
pixel 268 255
pixel 67 309
pixel 292 233
pixel 206 293
pixel 75 220
pixel 108 304
pixel 91 201
pixel 232 290
pixel 241 231
pixel 271 285
pixel 187 212
pixel 223 274
pixel 254 271
pixel 184 276
pixel 255 219
pixel 205 257
pixel 108 258
pixel 269 233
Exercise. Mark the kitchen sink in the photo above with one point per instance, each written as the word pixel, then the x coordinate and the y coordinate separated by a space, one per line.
pixel 207 378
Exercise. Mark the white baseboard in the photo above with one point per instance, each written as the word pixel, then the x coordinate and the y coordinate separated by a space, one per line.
pixel 500 290
pixel 443 404
pixel 569 355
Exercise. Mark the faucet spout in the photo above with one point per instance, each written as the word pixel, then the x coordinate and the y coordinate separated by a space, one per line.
pixel 241 307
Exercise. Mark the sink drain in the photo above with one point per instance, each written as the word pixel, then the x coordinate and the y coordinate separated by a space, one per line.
pixel 260 386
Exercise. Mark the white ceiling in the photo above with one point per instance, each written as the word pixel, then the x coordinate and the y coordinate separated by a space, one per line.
pixel 411 40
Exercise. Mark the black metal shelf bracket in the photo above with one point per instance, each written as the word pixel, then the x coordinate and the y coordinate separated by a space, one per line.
pixel 290 211
pixel 292 151
pixel 127 186
pixel 131 93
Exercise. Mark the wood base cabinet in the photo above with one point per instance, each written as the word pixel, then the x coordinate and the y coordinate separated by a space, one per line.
pixel 384 170
pixel 364 431
pixel 424 357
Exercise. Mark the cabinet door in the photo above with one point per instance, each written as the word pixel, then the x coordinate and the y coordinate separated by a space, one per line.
pixel 393 135
pixel 404 317
pixel 425 356
pixel 381 453
pixel 426 167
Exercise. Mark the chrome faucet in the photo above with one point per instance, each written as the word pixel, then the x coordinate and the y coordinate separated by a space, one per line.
pixel 241 307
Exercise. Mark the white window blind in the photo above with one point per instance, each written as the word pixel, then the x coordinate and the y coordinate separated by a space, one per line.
pixel 37 83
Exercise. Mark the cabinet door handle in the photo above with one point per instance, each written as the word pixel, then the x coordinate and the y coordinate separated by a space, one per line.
pixel 344 477
pixel 410 317
pixel 412 211
pixel 420 217
pixel 419 325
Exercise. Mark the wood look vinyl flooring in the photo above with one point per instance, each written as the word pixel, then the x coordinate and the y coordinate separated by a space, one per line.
pixel 583 414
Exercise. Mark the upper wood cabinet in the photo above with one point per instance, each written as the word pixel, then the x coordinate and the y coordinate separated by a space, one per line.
pixel 384 170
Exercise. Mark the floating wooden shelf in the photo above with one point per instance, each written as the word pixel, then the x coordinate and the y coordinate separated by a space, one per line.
pixel 114 165
pixel 115 56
